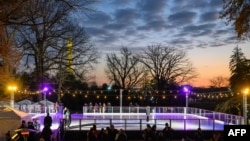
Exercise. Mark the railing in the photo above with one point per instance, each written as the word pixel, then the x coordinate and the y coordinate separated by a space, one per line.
pixel 205 119
pixel 139 110
pixel 36 108
pixel 140 124
pixel 114 110
pixel 133 118
pixel 227 118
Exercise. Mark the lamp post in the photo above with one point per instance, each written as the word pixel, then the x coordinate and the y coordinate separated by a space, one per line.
pixel 186 90
pixel 45 89
pixel 121 100
pixel 12 101
pixel 245 93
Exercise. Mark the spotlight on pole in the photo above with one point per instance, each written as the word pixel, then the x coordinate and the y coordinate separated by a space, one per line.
pixel 186 90
pixel 45 89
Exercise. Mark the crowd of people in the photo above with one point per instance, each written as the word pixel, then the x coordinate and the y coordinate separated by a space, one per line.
pixel 105 107
pixel 108 134
pixel 97 107
pixel 33 128
pixel 152 134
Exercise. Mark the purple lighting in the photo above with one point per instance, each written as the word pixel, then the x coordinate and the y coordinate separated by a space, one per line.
pixel 186 89
pixel 45 89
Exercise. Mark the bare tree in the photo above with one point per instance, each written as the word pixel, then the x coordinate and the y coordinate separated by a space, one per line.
pixel 9 55
pixel 9 10
pixel 238 12
pixel 124 70
pixel 42 35
pixel 167 65
pixel 9 58
pixel 219 81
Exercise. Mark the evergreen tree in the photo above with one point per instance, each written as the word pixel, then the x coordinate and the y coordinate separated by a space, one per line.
pixel 240 70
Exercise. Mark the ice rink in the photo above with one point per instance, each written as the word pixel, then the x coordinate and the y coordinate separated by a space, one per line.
pixel 135 121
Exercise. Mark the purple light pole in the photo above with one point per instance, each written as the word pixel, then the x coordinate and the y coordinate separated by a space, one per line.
pixel 186 90
pixel 45 89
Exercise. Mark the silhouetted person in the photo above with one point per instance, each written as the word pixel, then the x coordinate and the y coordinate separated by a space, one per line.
pixel 8 136
pixel 47 120
pixel 31 125
pixel 112 132
pixel 148 134
pixel 23 124
pixel 121 136
pixel 93 134
pixel 167 133
pixel 148 112
pixel 46 133
pixel 199 135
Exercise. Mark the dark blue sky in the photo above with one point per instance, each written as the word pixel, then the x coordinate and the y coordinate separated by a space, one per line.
pixel 190 25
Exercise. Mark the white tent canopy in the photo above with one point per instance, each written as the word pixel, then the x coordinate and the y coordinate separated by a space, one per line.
pixel 41 106
pixel 3 103
pixel 44 102
pixel 25 102
pixel 10 120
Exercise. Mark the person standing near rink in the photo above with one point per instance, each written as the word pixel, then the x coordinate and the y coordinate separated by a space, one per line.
pixel 148 112
pixel 47 120
pixel 66 116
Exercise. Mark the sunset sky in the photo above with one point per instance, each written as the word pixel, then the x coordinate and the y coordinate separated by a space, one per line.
pixel 193 26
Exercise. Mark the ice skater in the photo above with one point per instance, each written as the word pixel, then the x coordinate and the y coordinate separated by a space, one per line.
pixel 148 112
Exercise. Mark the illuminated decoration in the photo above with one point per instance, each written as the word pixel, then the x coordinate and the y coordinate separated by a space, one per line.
pixel 137 94
pixel 109 87
pixel 69 55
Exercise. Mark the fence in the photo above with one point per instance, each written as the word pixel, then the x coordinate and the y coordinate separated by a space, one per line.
pixel 133 118
pixel 115 110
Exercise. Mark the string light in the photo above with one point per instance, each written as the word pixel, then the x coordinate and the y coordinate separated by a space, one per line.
pixel 135 93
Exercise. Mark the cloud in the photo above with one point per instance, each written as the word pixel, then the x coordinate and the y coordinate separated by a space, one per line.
pixel 151 6
pixel 138 23
pixel 203 30
pixel 98 18
pixel 210 16
pixel 182 18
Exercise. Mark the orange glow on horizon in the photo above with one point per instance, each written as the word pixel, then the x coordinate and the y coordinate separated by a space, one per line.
pixel 210 62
